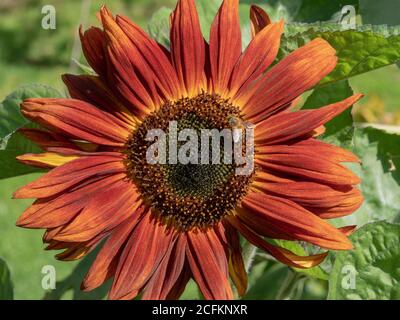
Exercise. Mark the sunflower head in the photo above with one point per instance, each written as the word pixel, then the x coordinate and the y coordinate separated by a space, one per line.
pixel 165 222
pixel 195 194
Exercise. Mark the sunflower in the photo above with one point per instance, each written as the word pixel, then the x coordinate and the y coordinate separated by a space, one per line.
pixel 162 225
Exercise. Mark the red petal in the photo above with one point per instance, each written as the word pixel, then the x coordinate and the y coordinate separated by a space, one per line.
pixel 187 46
pixel 307 167
pixel 106 210
pixel 291 125
pixel 93 46
pixel 129 74
pixel 105 265
pixel 46 139
pixel 258 56
pixel 237 269
pixel 92 90
pixel 283 255
pixel 57 211
pixel 180 285
pixel 70 174
pixel 348 230
pixel 259 19
pixel 76 119
pixel 311 147
pixel 292 76
pixel 262 211
pixel 143 253
pixel 76 251
pixel 326 201
pixel 225 45
pixel 167 274
pixel 209 266
pixel 156 56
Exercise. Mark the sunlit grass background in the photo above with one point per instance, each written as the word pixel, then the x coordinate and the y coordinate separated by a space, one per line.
pixel 29 54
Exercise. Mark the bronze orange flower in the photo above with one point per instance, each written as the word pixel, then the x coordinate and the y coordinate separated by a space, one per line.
pixel 165 224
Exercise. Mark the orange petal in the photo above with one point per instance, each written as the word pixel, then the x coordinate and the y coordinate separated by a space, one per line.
pixel 46 160
pixel 291 77
pixel 207 260
pixel 92 90
pixel 318 131
pixel 187 46
pixel 105 265
pixel 237 269
pixel 142 255
pixel 70 174
pixel 287 126
pixel 259 19
pixel 93 46
pixel 76 119
pixel 317 198
pixel 46 139
pixel 58 211
pixel 283 255
pixel 180 285
pixel 167 274
pixel 105 211
pixel 308 168
pixel 157 59
pixel 258 56
pixel 310 147
pixel 349 230
pixel 49 233
pixel 262 212
pixel 225 45
pixel 76 251
pixel 129 73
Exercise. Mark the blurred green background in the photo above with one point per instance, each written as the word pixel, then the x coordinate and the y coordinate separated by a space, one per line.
pixel 30 54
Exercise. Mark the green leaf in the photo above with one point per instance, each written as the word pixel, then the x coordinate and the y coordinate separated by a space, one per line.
pixel 358 51
pixel 12 143
pixel 340 130
pixel 296 248
pixel 207 10
pixel 158 26
pixel 380 155
pixel 371 270
pixel 6 285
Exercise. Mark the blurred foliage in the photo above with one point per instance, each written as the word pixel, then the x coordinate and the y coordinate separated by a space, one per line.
pixel 24 41
pixel 6 285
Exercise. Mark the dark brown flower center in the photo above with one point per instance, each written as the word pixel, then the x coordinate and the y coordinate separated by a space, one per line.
pixel 188 195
